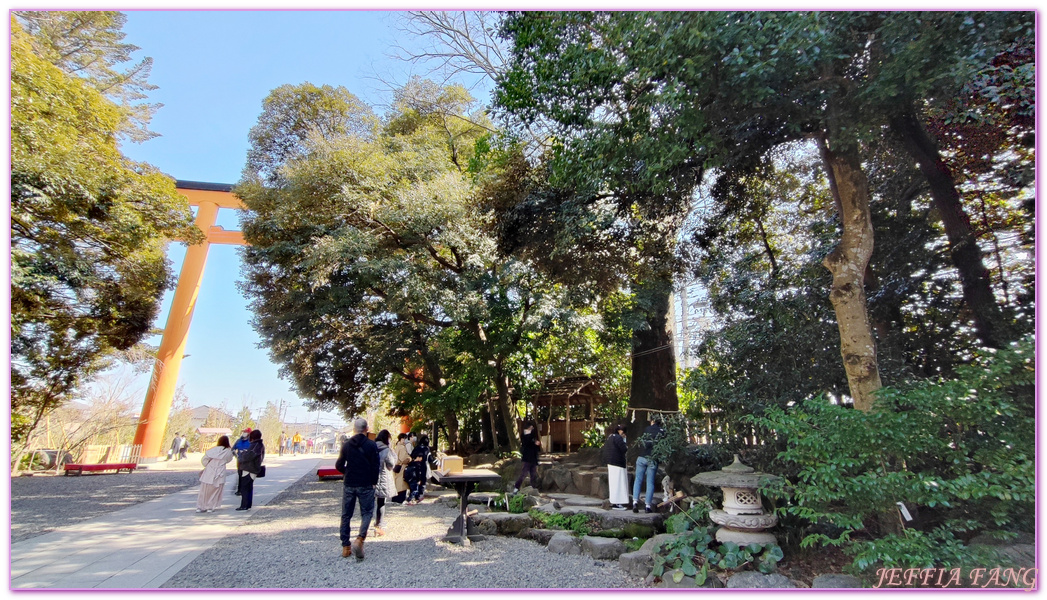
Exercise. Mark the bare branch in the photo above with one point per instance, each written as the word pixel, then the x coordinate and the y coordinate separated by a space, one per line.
pixel 458 42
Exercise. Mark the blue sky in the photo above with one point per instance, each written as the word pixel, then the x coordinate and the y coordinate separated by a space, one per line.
pixel 213 69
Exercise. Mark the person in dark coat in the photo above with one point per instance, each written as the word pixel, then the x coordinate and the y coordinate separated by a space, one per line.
pixel 176 445
pixel 242 443
pixel 358 463
pixel 417 471
pixel 646 466
pixel 249 462
pixel 613 454
pixel 529 447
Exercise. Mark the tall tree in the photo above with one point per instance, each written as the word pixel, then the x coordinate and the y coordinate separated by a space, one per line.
pixel 88 230
pixel 89 45
pixel 242 420
pixel 291 115
pixel 649 101
pixel 985 89
pixel 371 260
pixel 270 423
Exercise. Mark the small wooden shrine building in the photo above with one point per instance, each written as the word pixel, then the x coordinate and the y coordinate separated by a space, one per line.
pixel 559 395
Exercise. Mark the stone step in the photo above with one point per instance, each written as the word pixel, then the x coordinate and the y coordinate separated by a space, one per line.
pixel 574 499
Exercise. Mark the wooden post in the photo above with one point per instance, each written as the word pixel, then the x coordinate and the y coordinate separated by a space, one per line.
pixel 567 405
pixel 549 425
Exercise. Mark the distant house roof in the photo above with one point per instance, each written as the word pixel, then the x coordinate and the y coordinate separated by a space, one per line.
pixel 214 430
pixel 200 414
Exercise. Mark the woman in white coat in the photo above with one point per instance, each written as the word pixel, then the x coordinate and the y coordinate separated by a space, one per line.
pixel 212 479
pixel 386 488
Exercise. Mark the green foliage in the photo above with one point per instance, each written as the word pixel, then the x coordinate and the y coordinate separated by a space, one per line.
pixel 593 438
pixel 89 45
pixel 938 548
pixel 517 504
pixel 513 503
pixel 959 451
pixel 578 522
pixel 292 114
pixel 270 423
pixel 372 268
pixel 694 517
pixel 88 235
pixel 673 443
pixel 695 554
pixel 245 419
pixel 644 103
pixel 633 544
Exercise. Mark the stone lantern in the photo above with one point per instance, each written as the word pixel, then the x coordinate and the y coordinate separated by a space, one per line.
pixel 742 518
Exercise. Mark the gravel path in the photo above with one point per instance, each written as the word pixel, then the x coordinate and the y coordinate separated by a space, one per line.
pixel 293 541
pixel 43 503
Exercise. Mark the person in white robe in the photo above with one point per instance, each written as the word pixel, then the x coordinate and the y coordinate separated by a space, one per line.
pixel 212 478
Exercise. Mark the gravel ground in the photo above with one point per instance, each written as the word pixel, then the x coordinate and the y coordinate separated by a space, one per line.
pixel 293 543
pixel 43 503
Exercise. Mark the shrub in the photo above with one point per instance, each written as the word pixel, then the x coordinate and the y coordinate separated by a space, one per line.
pixel 593 438
pixel 513 503
pixel 690 519
pixel 517 503
pixel 578 523
pixel 673 444
pixel 694 554
pixel 958 453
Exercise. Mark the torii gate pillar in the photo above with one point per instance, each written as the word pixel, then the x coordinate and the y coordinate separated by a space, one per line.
pixel 208 197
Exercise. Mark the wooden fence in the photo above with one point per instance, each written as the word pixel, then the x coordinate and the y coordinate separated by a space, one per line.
pixel 117 453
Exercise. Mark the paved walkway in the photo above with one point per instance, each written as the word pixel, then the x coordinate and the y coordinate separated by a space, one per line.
pixel 143 546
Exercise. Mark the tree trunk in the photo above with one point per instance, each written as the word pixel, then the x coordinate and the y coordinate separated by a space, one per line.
pixel 501 385
pixel 653 382
pixel 847 263
pixel 491 423
pixel 966 256
pixel 451 423
pixel 434 378
pixel 23 446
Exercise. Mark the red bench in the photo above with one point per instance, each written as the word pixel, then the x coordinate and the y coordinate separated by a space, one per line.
pixel 328 473
pixel 70 468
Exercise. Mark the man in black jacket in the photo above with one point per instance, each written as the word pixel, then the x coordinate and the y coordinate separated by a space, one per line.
pixel 358 463
pixel 529 447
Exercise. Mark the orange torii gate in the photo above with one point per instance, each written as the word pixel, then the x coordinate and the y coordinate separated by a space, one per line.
pixel 208 197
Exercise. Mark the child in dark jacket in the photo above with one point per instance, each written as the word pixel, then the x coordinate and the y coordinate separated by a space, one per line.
pixel 416 473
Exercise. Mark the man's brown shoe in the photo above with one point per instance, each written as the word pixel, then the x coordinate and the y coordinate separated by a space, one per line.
pixel 357 547
pixel 346 551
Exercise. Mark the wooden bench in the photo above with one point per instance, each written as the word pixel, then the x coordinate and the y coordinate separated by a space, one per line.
pixel 79 469
pixel 328 473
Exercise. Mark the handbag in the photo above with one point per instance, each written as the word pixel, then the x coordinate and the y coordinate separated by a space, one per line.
pixel 398 468
pixel 261 471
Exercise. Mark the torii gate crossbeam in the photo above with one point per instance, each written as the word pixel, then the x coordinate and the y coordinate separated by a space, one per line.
pixel 208 197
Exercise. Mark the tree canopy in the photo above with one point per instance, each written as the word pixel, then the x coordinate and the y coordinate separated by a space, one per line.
pixel 88 234
pixel 88 45
pixel 645 103
pixel 372 264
